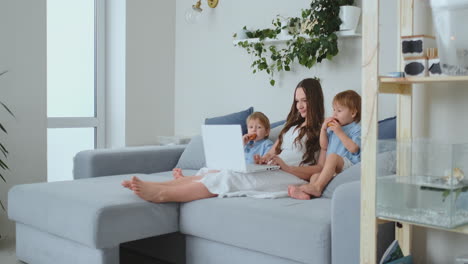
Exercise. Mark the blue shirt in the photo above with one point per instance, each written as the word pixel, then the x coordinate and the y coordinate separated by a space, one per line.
pixel 353 131
pixel 260 147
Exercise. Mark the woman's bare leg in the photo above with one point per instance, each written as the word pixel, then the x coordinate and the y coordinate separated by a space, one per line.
pixel 183 192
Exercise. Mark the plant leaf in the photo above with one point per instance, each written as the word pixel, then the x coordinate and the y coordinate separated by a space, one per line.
pixel 3 207
pixel 1 176
pixel 272 82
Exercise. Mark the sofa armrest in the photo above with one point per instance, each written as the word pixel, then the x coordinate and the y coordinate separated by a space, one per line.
pixel 345 225
pixel 105 162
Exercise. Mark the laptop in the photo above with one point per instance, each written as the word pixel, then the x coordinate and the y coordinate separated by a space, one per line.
pixel 224 149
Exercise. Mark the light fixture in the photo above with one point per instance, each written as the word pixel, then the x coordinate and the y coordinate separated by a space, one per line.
pixel 193 14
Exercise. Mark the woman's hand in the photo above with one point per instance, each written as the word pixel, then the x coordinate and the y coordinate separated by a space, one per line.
pixel 263 160
pixel 276 160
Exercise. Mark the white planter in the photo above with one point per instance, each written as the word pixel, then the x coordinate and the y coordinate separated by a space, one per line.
pixel 349 15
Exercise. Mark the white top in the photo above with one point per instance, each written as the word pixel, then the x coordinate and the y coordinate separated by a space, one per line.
pixel 292 153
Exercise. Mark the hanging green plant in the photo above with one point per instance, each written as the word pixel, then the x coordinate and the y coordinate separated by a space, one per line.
pixel 312 39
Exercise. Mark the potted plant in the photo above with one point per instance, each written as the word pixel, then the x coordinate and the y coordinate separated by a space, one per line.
pixel 349 15
pixel 312 39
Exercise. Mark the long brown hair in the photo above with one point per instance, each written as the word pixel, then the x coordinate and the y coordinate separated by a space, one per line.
pixel 315 116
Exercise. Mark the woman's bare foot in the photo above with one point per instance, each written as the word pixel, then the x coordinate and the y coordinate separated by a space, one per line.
pixel 177 173
pixel 311 189
pixel 127 184
pixel 148 191
pixel 296 193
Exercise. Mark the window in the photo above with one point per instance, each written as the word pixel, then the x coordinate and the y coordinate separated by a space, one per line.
pixel 75 82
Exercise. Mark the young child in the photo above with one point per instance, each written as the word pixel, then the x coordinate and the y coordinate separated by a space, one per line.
pixel 256 140
pixel 340 136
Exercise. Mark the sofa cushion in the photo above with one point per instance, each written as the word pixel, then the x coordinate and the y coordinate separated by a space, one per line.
pixel 193 157
pixel 264 225
pixel 386 165
pixel 232 119
pixel 96 212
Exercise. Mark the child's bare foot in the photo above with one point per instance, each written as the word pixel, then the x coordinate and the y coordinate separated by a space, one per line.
pixel 311 189
pixel 177 173
pixel 127 184
pixel 147 190
pixel 296 193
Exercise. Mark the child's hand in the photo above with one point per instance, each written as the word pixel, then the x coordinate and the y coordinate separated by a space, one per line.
pixel 329 121
pixel 336 127
pixel 248 137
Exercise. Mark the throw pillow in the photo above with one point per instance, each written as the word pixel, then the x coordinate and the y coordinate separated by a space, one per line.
pixel 277 123
pixel 193 157
pixel 232 119
pixel 387 128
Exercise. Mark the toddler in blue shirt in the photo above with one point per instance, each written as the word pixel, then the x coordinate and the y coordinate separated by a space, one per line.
pixel 340 137
pixel 256 140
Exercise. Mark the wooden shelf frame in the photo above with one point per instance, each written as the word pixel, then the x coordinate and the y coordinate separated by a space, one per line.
pixel 372 85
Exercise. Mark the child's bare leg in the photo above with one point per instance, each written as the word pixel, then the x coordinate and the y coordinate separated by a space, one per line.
pixel 185 192
pixel 296 192
pixel 333 164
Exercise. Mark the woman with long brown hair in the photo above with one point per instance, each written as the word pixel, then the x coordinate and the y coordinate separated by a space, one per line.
pixel 297 152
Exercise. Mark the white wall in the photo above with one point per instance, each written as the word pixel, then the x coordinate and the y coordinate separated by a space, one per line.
pixel 213 77
pixel 23 54
pixel 140 71
pixel 150 47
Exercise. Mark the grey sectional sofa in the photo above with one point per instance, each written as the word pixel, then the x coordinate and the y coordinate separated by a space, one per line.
pixel 85 220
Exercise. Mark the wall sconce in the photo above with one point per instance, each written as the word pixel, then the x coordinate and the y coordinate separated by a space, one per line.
pixel 193 14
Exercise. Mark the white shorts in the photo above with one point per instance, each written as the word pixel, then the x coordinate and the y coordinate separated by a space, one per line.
pixel 346 163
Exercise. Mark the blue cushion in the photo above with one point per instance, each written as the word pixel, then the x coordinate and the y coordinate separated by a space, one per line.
pixel 277 123
pixel 387 128
pixel 238 118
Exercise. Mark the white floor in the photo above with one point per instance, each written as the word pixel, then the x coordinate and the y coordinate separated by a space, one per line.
pixel 7 252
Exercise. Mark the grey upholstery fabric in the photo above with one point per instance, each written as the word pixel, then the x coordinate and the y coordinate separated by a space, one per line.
pixel 345 225
pixel 36 247
pixel 104 162
pixel 96 212
pixel 386 165
pixel 203 251
pixel 264 225
pixel 193 157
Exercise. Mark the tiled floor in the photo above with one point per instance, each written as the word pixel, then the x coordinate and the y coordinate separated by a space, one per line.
pixel 7 252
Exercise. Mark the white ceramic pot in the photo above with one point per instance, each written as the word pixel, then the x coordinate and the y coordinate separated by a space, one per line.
pixel 349 15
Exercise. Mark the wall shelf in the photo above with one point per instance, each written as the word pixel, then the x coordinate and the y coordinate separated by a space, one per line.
pixel 341 34
pixel 391 85
pixel 412 80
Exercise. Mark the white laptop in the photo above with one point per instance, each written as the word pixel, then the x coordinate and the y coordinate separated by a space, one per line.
pixel 224 149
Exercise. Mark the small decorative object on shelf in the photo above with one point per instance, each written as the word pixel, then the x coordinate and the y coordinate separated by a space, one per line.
pixel 433 62
pixel 416 66
pixel 428 187
pixel 416 46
